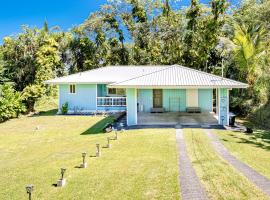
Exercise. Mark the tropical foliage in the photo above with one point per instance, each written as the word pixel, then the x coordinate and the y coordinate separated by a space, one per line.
pixel 135 32
pixel 10 103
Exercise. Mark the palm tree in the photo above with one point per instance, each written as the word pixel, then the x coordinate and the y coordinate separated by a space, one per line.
pixel 249 49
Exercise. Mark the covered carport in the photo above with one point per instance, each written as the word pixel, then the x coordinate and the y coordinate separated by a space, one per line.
pixel 178 86
pixel 177 118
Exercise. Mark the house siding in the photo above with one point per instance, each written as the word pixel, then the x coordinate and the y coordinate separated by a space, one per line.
pixel 174 100
pixel 205 99
pixel 101 90
pixel 111 108
pixel 145 99
pixel 83 99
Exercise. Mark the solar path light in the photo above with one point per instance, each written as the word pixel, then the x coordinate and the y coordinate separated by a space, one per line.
pixel 29 190
pixel 84 164
pixel 116 135
pixel 109 145
pixel 62 181
pixel 98 152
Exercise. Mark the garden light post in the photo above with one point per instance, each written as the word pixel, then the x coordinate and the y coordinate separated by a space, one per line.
pixel 84 164
pixel 116 135
pixel 98 152
pixel 29 190
pixel 109 144
pixel 62 181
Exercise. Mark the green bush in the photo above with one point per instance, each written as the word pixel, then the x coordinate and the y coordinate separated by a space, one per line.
pixel 64 108
pixel 10 103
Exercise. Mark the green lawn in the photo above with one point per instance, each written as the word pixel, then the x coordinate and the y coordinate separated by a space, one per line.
pixel 220 179
pixel 253 149
pixel 142 164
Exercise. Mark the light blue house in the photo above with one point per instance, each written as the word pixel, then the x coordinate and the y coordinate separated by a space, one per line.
pixel 149 94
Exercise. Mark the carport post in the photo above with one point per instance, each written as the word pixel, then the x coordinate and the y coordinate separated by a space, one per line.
pixel 131 106
pixel 223 106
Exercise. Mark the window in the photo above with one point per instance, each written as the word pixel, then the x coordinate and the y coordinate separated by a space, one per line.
pixel 116 92
pixel 72 89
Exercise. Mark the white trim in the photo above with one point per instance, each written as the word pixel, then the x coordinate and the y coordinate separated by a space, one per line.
pixel 96 95
pixel 112 100
pixel 177 87
pixel 136 102
pixel 91 111
pixel 228 107
pixel 219 115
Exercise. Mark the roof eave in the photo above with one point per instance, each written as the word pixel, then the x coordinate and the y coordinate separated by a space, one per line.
pixel 73 82
pixel 177 86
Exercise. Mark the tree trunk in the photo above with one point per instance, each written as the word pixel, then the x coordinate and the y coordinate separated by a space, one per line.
pixel 30 106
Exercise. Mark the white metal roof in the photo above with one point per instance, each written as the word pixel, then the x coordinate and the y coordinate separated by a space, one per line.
pixel 174 76
pixel 110 74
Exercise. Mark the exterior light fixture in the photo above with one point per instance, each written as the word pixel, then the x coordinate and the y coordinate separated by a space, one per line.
pixel 29 190
pixel 98 152
pixel 63 170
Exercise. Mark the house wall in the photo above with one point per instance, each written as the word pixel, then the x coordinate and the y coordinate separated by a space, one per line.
pixel 174 100
pixel 111 109
pixel 205 99
pixel 101 90
pixel 131 106
pixel 192 97
pixel 83 99
pixel 145 99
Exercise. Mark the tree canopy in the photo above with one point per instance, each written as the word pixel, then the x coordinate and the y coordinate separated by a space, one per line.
pixel 136 32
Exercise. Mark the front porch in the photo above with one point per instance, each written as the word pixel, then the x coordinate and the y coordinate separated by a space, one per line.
pixel 177 118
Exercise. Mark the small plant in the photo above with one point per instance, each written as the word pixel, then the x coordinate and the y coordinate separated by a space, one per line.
pixel 64 109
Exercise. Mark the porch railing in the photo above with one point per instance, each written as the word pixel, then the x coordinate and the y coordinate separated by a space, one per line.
pixel 111 101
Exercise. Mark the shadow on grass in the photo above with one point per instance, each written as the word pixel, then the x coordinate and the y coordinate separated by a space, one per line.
pixel 255 143
pixel 99 126
pixel 261 135
pixel 46 113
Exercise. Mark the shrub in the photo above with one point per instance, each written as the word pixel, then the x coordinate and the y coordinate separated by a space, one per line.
pixel 10 103
pixel 64 108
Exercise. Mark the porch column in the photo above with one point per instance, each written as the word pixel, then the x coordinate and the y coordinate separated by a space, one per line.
pixel 223 106
pixel 131 106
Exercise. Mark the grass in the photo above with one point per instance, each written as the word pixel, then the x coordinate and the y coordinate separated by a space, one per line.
pixel 220 179
pixel 253 149
pixel 142 164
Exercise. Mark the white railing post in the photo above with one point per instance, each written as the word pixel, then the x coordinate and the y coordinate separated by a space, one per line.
pixel 111 101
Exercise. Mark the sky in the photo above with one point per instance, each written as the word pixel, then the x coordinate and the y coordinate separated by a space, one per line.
pixel 63 13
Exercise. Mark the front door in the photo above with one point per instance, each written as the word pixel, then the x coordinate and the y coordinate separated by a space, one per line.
pixel 157 98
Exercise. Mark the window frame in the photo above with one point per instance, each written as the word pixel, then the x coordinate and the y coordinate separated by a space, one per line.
pixel 116 95
pixel 74 88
